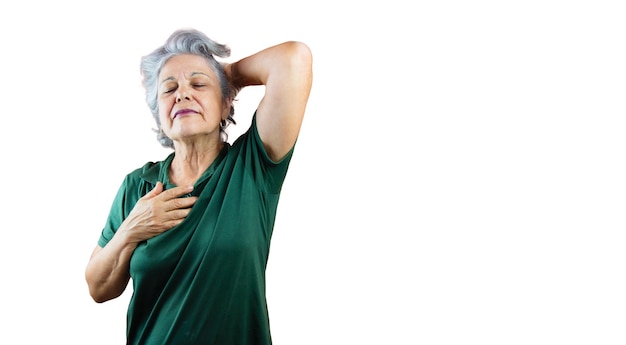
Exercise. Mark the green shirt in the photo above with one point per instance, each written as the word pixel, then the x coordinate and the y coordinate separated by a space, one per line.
pixel 203 281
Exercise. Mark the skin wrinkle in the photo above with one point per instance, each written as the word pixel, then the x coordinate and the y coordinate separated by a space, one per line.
pixel 191 81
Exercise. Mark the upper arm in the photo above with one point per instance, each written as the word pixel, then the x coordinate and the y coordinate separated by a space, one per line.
pixel 287 87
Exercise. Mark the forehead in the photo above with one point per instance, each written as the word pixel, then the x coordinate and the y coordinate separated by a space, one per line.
pixel 186 65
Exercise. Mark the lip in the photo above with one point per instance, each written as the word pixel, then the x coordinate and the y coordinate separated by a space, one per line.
pixel 183 112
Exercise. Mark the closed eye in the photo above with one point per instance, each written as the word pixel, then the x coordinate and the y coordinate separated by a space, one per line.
pixel 169 88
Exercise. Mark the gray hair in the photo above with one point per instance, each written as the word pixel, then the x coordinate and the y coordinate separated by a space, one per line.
pixel 185 41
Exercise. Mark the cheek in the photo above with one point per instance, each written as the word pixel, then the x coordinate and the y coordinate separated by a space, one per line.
pixel 164 121
pixel 164 112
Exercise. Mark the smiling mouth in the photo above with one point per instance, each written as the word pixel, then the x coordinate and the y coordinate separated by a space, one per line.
pixel 184 112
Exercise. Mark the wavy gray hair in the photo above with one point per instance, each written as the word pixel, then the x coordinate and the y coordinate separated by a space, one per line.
pixel 185 41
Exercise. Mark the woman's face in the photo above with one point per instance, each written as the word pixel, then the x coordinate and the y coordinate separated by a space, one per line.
pixel 189 99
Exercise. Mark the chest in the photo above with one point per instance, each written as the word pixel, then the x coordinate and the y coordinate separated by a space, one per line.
pixel 229 223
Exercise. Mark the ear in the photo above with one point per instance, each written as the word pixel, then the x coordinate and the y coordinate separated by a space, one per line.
pixel 226 110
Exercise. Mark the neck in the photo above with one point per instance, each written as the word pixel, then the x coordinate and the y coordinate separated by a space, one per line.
pixel 191 161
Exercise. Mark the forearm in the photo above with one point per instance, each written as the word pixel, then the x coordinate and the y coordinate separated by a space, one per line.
pixel 107 272
pixel 276 62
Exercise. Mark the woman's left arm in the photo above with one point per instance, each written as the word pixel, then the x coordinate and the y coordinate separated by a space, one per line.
pixel 286 72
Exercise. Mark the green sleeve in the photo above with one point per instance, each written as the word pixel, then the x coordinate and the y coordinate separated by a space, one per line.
pixel 116 215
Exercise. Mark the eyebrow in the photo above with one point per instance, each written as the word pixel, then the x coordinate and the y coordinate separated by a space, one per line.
pixel 191 75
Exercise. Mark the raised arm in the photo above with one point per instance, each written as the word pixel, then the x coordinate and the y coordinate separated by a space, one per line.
pixel 286 72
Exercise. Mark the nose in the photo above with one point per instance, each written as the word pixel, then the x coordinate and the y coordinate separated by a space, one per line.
pixel 182 95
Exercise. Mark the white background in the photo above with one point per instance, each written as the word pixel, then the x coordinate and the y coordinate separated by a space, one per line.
pixel 459 178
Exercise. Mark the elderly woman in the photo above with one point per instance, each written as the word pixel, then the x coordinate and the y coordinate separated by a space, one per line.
pixel 193 230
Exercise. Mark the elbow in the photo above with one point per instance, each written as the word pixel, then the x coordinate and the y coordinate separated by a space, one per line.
pixel 300 49
pixel 96 293
pixel 98 299
pixel 99 291
pixel 101 295
pixel 298 63
pixel 301 55
pixel 102 283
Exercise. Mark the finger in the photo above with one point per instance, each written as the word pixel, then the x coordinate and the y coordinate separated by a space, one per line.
pixel 176 192
pixel 180 203
pixel 177 215
pixel 171 223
